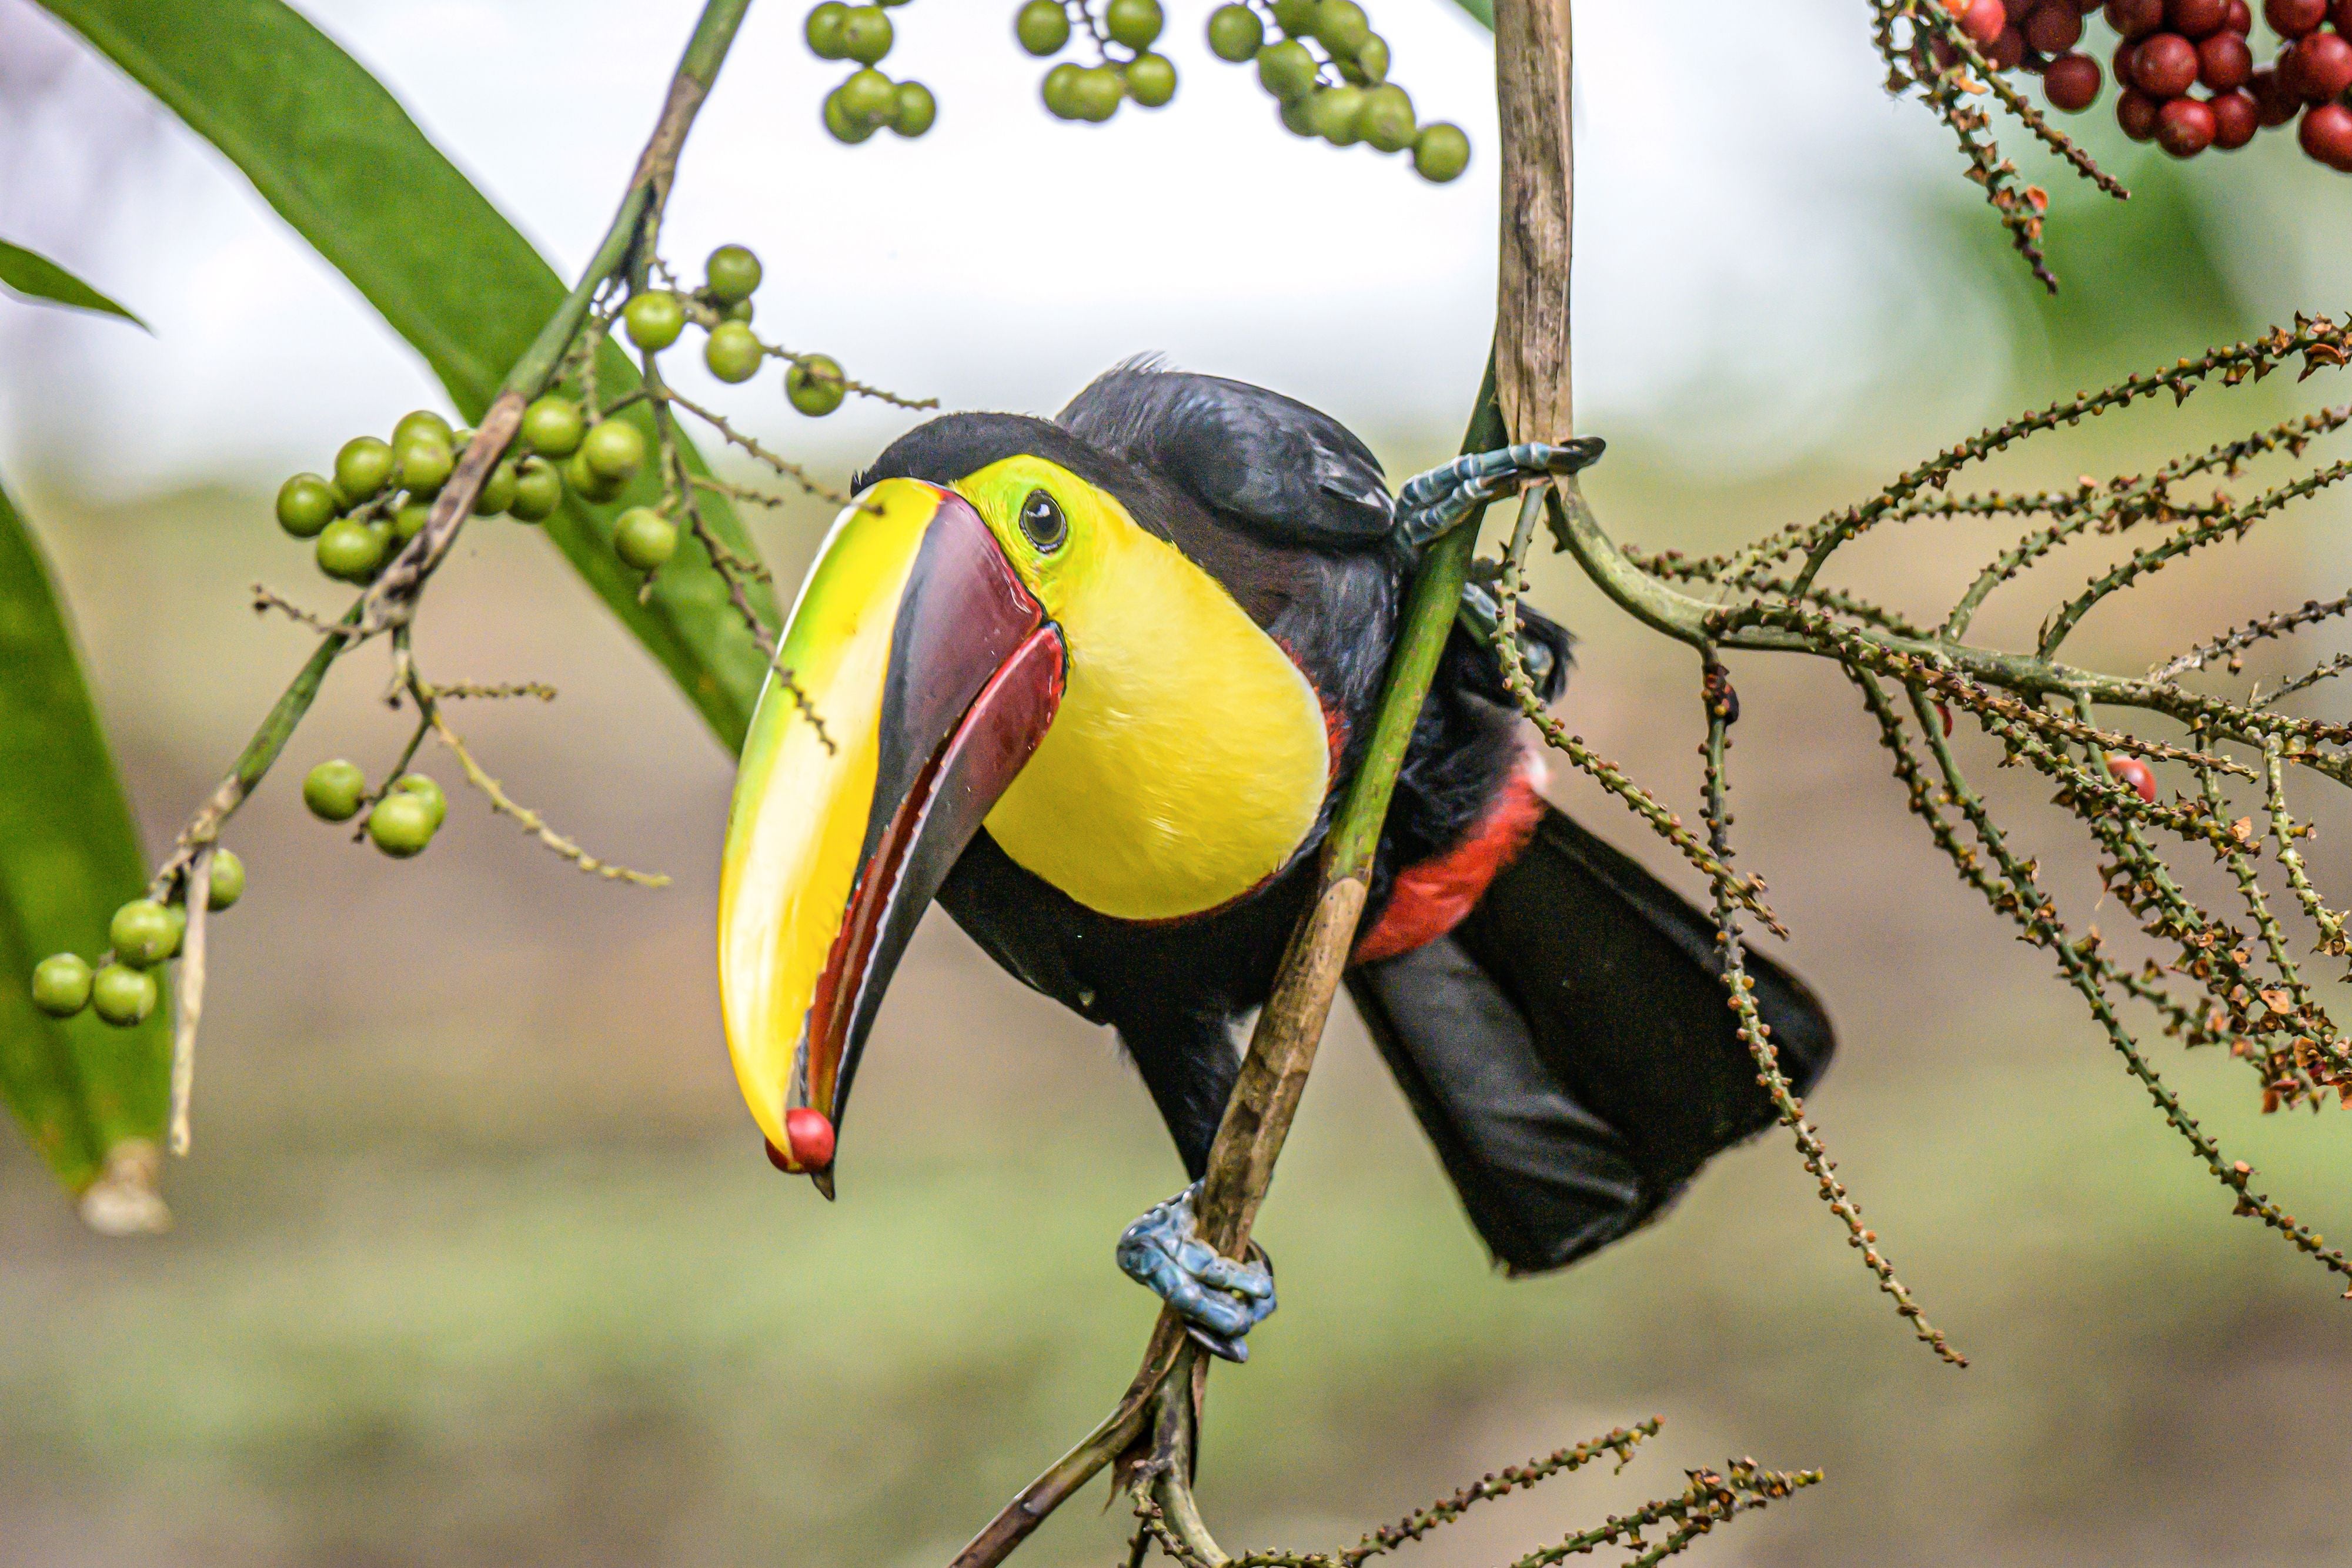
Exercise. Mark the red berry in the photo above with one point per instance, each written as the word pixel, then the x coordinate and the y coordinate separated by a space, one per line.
pixel 2318 66
pixel 2342 15
pixel 2137 18
pixel 2072 83
pixel 2138 775
pixel 2294 18
pixel 2165 66
pixel 2185 127
pixel 2240 18
pixel 2136 113
pixel 2278 101
pixel 2054 27
pixel 810 1134
pixel 2327 135
pixel 2223 61
pixel 2196 18
pixel 2007 52
pixel 1983 21
pixel 2123 61
pixel 2236 118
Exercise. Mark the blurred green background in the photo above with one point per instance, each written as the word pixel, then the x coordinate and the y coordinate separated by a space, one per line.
pixel 478 1260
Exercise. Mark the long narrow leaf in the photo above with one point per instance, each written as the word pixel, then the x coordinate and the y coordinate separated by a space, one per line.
pixel 36 277
pixel 69 856
pixel 333 152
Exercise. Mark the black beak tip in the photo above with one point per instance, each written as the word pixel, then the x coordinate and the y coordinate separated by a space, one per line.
pixel 823 1181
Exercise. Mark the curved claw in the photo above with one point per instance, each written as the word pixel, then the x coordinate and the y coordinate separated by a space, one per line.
pixel 1219 1299
pixel 1433 504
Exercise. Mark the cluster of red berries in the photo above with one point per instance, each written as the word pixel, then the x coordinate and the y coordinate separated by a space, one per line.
pixel 144 934
pixel 2172 48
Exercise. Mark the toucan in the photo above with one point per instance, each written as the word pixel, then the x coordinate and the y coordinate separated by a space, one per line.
pixel 1095 686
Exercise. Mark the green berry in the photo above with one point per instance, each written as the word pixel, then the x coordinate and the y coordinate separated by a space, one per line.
pixel 333 790
pixel 814 385
pixel 1342 25
pixel 1060 90
pixel 1150 79
pixel 1042 26
pixel 349 549
pixel 1334 113
pixel 586 483
pixel 915 109
pixel 1386 119
pixel 122 996
pixel 644 538
pixel 1296 17
pixel 1287 70
pixel 740 312
pixel 61 984
pixel 1234 33
pixel 654 320
pixel 410 520
pixel 1371 61
pixel 866 34
pixel 553 426
pixel 227 883
pixel 425 463
pixel 497 490
pixel 732 274
pixel 614 449
pixel 733 352
pixel 823 30
pixel 305 505
pixel 401 824
pixel 1441 152
pixel 1099 89
pixel 363 467
pixel 844 125
pixel 421 421
pixel 424 788
pixel 1294 116
pixel 539 490
pixel 868 98
pixel 141 932
pixel 1135 24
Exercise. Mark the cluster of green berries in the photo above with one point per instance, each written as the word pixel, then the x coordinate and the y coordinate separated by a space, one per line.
pixel 1344 97
pixel 144 934
pixel 381 494
pixel 400 821
pixel 1093 93
pixel 867 102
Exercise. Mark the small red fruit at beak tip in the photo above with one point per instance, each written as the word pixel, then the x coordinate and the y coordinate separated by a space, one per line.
pixel 809 1135
pixel 777 1157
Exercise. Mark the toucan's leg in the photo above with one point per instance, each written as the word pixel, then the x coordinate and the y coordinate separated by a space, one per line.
pixel 1218 1300
pixel 1435 503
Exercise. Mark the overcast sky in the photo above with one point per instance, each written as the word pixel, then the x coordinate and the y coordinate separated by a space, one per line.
pixel 1736 254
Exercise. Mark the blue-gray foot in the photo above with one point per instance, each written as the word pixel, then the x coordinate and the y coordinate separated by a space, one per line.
pixel 1218 1300
pixel 1433 504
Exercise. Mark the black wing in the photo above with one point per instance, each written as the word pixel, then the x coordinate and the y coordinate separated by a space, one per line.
pixel 1287 471
pixel 1569 1050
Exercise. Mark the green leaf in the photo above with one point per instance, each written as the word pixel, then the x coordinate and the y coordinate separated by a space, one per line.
pixel 333 152
pixel 36 277
pixel 69 857
pixel 1481 11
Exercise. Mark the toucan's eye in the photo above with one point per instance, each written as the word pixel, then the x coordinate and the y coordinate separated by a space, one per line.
pixel 1042 520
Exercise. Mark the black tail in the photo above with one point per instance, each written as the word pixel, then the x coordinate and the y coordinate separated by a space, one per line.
pixel 1571 1049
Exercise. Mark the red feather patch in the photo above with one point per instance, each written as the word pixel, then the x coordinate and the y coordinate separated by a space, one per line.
pixel 1434 897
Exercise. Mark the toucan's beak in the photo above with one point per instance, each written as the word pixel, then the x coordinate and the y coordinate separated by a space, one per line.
pixel 917 675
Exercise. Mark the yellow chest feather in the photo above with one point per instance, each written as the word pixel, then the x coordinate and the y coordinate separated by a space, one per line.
pixel 1189 759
